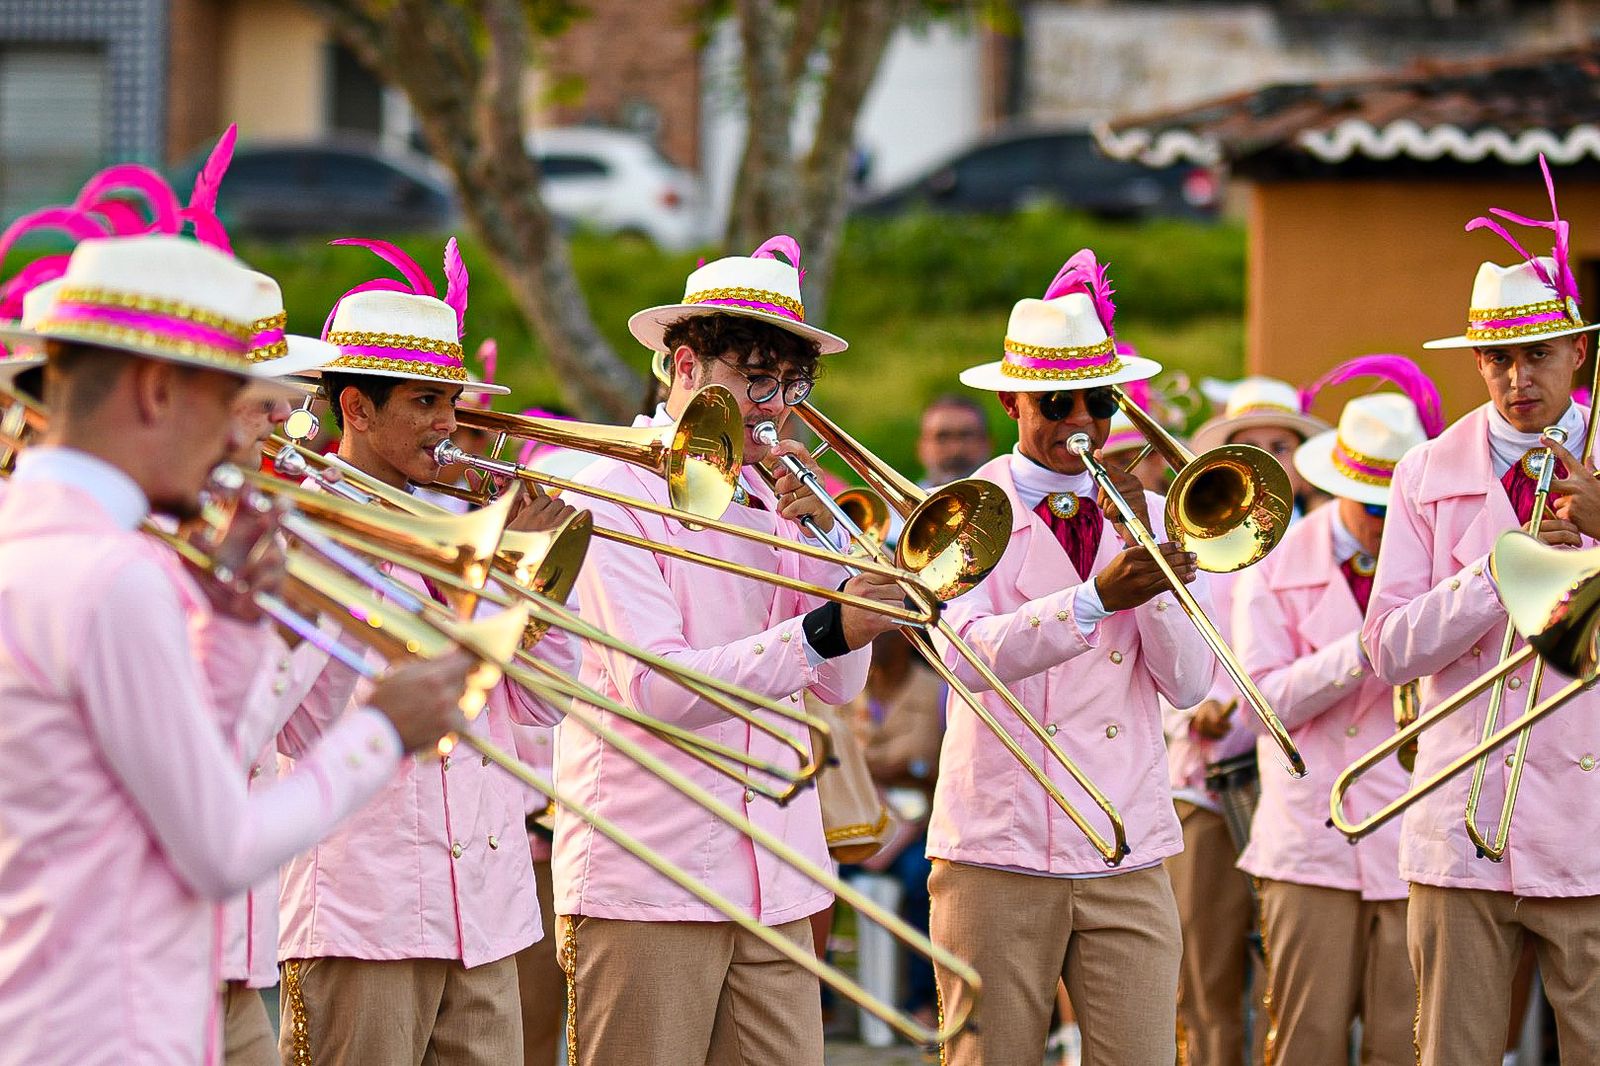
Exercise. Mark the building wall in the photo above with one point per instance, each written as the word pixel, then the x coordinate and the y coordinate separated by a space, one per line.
pixel 275 55
pixel 194 75
pixel 1358 267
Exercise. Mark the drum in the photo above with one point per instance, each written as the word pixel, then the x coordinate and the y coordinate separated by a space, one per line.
pixel 1236 783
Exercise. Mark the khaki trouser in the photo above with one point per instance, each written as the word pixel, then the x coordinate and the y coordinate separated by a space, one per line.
pixel 1333 957
pixel 1114 939
pixel 687 994
pixel 246 1029
pixel 1464 947
pixel 541 983
pixel 423 1012
pixel 1217 914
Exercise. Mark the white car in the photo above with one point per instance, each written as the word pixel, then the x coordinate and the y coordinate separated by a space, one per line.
pixel 617 182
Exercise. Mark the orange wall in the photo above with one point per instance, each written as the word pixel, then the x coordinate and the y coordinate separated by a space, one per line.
pixel 1338 269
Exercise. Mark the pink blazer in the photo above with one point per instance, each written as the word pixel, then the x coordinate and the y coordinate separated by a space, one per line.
pixel 1097 697
pixel 123 810
pixel 1188 754
pixel 1298 634
pixel 1435 615
pixel 436 866
pixel 728 626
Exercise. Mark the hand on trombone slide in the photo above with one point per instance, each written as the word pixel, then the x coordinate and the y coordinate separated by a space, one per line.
pixel 422 699
pixel 795 501
pixel 537 511
pixel 861 625
pixel 1574 499
pixel 1133 577
pixel 1132 490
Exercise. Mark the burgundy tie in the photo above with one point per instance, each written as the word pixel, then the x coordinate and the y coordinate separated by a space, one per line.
pixel 1358 571
pixel 1078 532
pixel 1522 485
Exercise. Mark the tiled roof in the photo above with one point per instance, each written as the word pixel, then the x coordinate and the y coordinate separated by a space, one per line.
pixel 1506 110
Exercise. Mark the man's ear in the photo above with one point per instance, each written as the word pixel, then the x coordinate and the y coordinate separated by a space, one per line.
pixel 155 384
pixel 685 365
pixel 356 408
pixel 1012 405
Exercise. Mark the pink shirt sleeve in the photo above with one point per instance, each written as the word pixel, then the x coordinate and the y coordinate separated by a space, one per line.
pixel 145 704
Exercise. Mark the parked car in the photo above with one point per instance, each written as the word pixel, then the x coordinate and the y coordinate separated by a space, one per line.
pixel 1063 167
pixel 617 182
pixel 336 186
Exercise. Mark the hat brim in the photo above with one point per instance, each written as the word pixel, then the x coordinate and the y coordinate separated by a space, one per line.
pixel 1314 460
pixel 305 356
pixel 12 365
pixel 1214 432
pixel 991 377
pixel 649 326
pixel 466 386
pixel 1463 341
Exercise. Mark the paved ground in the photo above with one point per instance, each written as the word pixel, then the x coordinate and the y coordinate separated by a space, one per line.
pixel 856 1055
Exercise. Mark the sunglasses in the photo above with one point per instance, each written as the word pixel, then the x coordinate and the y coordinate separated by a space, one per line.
pixel 1376 510
pixel 1101 403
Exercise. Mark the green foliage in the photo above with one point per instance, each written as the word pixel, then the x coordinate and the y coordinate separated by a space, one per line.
pixel 919 298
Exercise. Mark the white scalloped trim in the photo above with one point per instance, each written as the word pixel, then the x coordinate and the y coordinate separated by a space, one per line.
pixel 1407 138
pixel 1172 146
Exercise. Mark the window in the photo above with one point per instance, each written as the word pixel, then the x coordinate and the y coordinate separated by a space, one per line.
pixel 572 166
pixel 54 123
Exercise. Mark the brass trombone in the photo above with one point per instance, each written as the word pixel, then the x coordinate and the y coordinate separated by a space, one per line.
pixel 362 601
pixel 537 575
pixel 1080 444
pixel 1552 597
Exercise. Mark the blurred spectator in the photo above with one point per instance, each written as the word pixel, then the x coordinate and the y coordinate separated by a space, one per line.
pixel 954 440
pixel 899 719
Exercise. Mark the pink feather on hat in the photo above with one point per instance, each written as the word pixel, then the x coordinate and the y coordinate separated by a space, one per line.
pixel 202 208
pixel 79 225
pixel 415 276
pixel 488 358
pixel 781 243
pixel 455 290
pixel 1564 284
pixel 1396 370
pixel 104 188
pixel 1083 273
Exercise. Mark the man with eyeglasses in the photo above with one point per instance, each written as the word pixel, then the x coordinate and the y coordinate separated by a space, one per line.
pixel 1333 917
pixel 655 975
pixel 1085 630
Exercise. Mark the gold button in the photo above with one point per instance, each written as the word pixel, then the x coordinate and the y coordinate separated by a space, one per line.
pixel 1477 571
pixel 1350 731
pixel 1338 682
pixel 1476 652
pixel 794 697
pixel 784 636
pixel 486 760
pixel 1116 657
pixel 353 761
pixel 456 850
pixel 255 771
pixel 1514 683
pixel 1510 759
pixel 446 763
pixel 283 663
pixel 1061 616
pixel 1355 671
pixel 494 841
pixel 1111 732
pixel 1161 605
pixel 279 687
pixel 760 648
pixel 1455 583
pixel 1587 762
pixel 1034 622
pixel 375 744
pixel 1050 729
pixel 749 795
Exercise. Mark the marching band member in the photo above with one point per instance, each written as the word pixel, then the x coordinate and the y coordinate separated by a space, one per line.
pixel 1434 615
pixel 1083 627
pixel 1220 971
pixel 122 810
pixel 1332 915
pixel 399 930
pixel 655 975
pixel 541 983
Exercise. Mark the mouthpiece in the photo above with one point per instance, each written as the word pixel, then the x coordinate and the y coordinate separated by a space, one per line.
pixel 1079 444
pixel 766 433
pixel 290 463
pixel 446 452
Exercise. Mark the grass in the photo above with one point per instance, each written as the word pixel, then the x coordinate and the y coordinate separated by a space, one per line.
pixel 918 297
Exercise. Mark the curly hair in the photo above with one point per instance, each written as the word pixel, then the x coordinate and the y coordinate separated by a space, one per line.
pixel 749 340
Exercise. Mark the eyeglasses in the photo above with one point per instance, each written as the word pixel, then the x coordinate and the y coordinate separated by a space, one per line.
pixel 1376 510
pixel 763 387
pixel 1101 403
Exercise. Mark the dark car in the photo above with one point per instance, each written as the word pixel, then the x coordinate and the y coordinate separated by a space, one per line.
pixel 285 190
pixel 1062 167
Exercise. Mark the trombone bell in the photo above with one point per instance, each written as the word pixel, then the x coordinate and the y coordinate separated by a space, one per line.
pixel 1230 507
pixel 868 510
pixel 1552 598
pixel 956 535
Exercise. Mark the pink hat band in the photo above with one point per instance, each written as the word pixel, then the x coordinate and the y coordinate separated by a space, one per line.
pixel 1509 323
pixel 1063 364
pixel 1367 469
pixel 773 303
pixel 165 325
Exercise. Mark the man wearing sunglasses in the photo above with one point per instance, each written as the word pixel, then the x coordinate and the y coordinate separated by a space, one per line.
pixel 655 975
pixel 1087 634
pixel 1333 917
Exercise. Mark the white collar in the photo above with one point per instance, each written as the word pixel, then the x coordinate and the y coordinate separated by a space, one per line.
pixel 116 493
pixel 1034 482
pixel 1507 444
pixel 1345 544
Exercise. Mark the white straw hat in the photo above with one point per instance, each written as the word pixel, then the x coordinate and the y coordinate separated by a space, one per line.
pixel 274 351
pixel 21 341
pixel 759 286
pixel 1514 305
pixel 1357 460
pixel 1253 403
pixel 1058 344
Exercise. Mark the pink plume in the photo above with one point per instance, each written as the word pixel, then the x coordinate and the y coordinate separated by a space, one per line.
pixel 123 219
pixel 402 262
pixel 36 273
pixel 136 178
pixel 489 359
pixel 202 209
pixel 1083 273
pixel 78 225
pixel 375 285
pixel 1564 284
pixel 785 244
pixel 1396 370
pixel 1137 391
pixel 455 289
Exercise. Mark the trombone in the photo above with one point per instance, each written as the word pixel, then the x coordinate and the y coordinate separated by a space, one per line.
pixel 1080 444
pixel 362 599
pixel 1552 597
pixel 537 571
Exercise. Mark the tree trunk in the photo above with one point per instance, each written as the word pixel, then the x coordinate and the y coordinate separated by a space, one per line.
pixel 467 98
